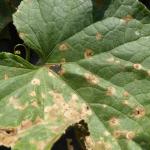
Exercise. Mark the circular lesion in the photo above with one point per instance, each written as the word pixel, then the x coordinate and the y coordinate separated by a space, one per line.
pixel 88 53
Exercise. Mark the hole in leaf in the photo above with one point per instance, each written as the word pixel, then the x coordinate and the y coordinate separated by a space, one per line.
pixel 74 137
pixel 56 68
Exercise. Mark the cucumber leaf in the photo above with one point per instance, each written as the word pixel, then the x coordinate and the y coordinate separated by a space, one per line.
pixel 96 72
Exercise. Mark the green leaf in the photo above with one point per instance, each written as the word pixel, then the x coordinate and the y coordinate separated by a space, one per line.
pixel 118 8
pixel 35 109
pixel 112 69
pixel 101 75
pixel 44 23
pixel 6 10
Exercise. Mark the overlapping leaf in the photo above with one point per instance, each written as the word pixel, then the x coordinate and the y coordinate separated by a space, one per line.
pixel 43 24
pixel 106 66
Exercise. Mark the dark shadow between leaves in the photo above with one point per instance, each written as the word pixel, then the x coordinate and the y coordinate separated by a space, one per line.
pixel 99 7
pixel 9 39
pixel 73 138
pixel 146 3
pixel 4 148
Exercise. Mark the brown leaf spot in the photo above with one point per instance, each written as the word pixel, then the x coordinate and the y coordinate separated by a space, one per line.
pixel 43 95
pixel 148 72
pixel 127 18
pixel 137 66
pixel 111 91
pixel 125 94
pixel 110 60
pixel 125 102
pixel 114 122
pixel 118 133
pixel 88 53
pixel 26 124
pixel 98 36
pixel 50 74
pixel 63 47
pixel 106 133
pixel 117 61
pixel 8 136
pixel 41 145
pixel 35 81
pixel 99 145
pixel 127 134
pixel 89 142
pixel 57 97
pixel 13 101
pixel 52 112
pixel 71 111
pixel 33 94
pixel 35 104
pixel 8 131
pixel 85 111
pixel 139 112
pixel 102 145
pixel 104 106
pixel 6 77
pixel 38 120
pixel 92 79
pixel 130 135
pixel 8 140
pixel 74 97
pixel 56 129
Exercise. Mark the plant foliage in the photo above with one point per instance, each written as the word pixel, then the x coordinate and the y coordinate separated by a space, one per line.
pixel 94 66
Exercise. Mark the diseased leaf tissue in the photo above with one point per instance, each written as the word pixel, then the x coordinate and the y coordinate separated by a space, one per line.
pixel 93 70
